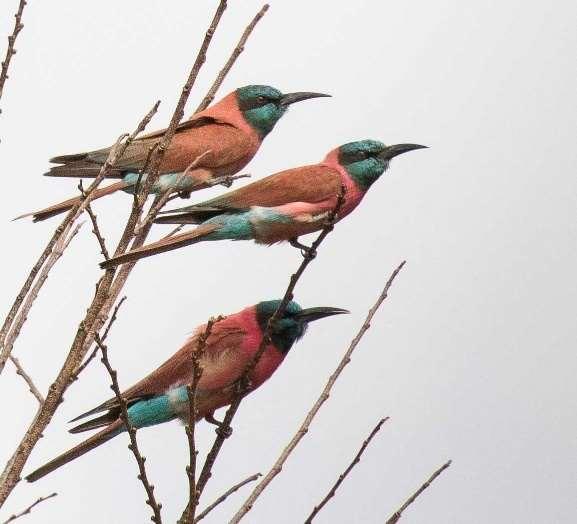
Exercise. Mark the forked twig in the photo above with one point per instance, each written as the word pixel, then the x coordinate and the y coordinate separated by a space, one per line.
pixel 29 508
pixel 133 446
pixel 31 386
pixel 303 429
pixel 394 518
pixel 345 473
pixel 225 495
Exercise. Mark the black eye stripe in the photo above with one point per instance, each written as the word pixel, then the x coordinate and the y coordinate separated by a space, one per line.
pixel 253 103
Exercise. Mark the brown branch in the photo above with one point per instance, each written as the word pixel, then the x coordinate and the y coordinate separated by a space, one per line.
pixel 225 495
pixel 345 473
pixel 303 429
pixel 31 386
pixel 29 508
pixel 22 316
pixel 207 100
pixel 243 384
pixel 192 414
pixel 10 51
pixel 394 518
pixel 133 446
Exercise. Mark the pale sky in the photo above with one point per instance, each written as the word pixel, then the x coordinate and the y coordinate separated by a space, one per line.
pixel 474 354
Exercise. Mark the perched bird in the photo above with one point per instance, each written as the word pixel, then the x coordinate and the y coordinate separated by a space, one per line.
pixel 162 396
pixel 231 131
pixel 280 207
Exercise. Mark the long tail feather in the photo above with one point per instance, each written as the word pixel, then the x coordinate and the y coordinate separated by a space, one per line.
pixel 165 244
pixel 80 169
pixel 77 451
pixel 97 422
pixel 66 205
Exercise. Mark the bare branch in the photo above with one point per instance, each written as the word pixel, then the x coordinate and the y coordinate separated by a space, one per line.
pixel 10 51
pixel 225 495
pixel 394 518
pixel 133 446
pixel 303 429
pixel 29 508
pixel 207 100
pixel 20 371
pixel 22 316
pixel 344 474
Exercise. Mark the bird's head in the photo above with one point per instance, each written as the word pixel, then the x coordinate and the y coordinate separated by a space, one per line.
pixel 366 160
pixel 263 106
pixel 293 323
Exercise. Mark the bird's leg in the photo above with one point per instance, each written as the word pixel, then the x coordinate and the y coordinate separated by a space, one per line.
pixel 220 430
pixel 306 251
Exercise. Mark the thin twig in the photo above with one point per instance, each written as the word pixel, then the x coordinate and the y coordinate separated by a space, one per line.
pixel 29 508
pixel 303 429
pixel 104 336
pixel 243 384
pixel 133 446
pixel 345 473
pixel 394 518
pixel 192 414
pixel 225 495
pixel 10 51
pixel 31 386
pixel 207 100
pixel 22 316
pixel 95 228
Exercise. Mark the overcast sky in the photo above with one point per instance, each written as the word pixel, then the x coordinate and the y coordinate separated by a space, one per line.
pixel 474 354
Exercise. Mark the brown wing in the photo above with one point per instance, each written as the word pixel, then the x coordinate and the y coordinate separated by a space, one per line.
pixel 192 138
pixel 220 364
pixel 313 183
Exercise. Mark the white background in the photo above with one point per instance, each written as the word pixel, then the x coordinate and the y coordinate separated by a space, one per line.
pixel 474 354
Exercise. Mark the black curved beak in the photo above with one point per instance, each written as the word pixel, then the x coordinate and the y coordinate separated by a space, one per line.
pixel 291 98
pixel 399 149
pixel 316 313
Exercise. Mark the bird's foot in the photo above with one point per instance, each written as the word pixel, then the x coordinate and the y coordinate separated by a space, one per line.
pixel 306 251
pixel 221 430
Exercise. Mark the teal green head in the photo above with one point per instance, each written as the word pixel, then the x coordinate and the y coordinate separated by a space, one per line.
pixel 263 106
pixel 366 160
pixel 293 323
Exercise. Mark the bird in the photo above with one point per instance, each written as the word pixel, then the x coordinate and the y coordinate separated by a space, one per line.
pixel 282 206
pixel 223 139
pixel 162 395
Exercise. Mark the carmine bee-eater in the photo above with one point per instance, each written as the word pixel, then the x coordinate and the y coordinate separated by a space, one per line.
pixel 283 206
pixel 162 396
pixel 231 131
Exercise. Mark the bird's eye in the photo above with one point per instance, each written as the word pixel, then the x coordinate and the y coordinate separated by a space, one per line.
pixel 262 100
